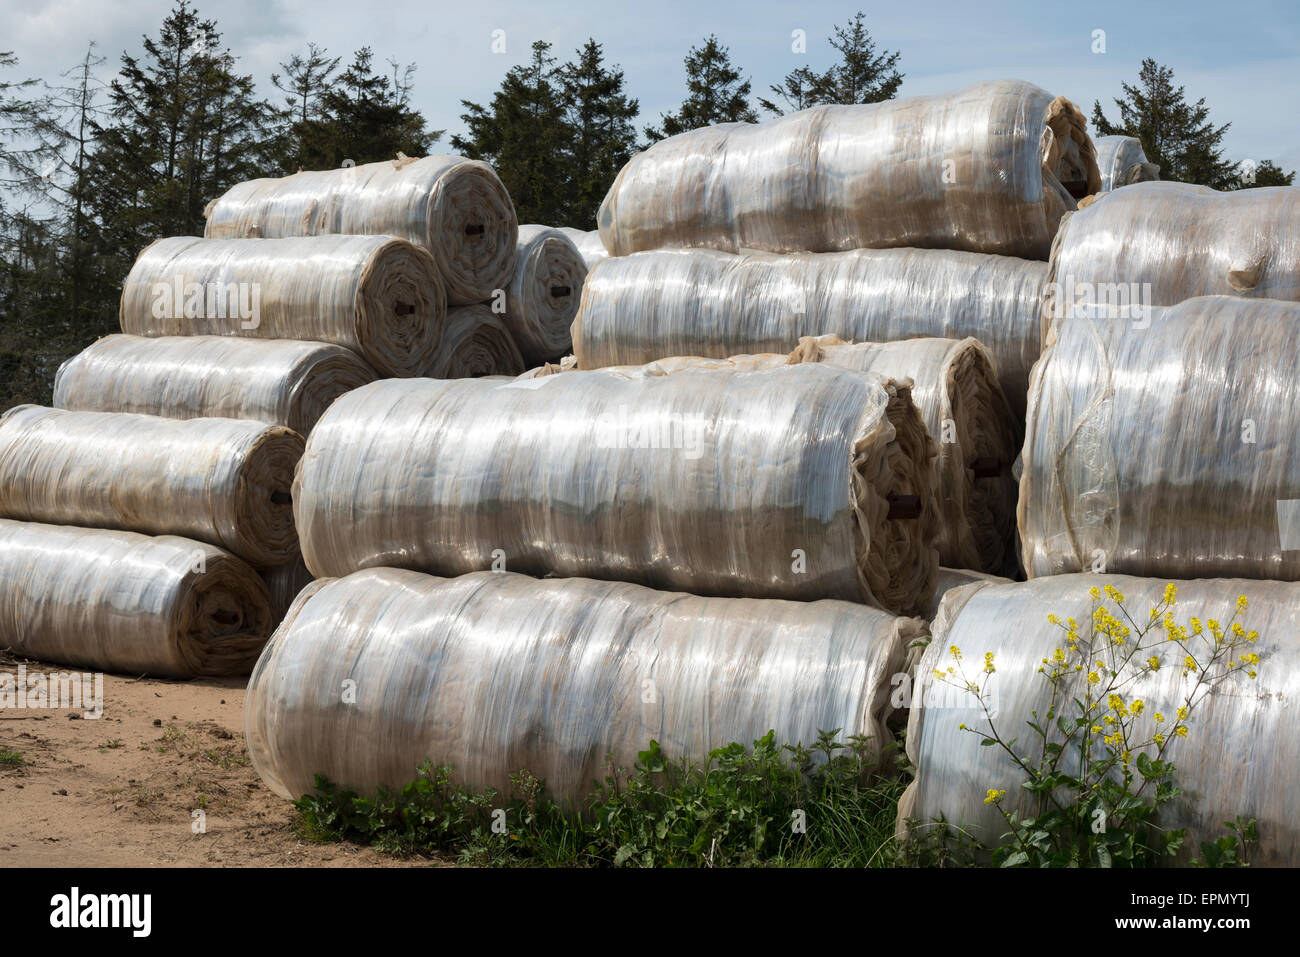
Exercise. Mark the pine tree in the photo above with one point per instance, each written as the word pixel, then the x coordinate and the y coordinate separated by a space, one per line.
pixel 600 118
pixel 304 82
pixel 525 137
pixel 862 75
pixel 1175 134
pixel 715 93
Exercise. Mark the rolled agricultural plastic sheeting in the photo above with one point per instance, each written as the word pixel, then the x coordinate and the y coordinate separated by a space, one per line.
pixel 1160 243
pixel 700 302
pixel 284 582
pixel 588 243
pixel 544 293
pixel 224 481
pixel 1162 445
pixel 128 603
pixel 989 169
pixel 956 389
pixel 798 482
pixel 950 578
pixel 456 208
pixel 476 343
pixel 1122 162
pixel 278 381
pixel 376 295
pixel 493 673
pixel 1241 756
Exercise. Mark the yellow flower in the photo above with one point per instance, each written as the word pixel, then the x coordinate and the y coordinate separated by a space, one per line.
pixel 994 795
pixel 988 663
pixel 1181 730
pixel 1154 662
pixel 1189 663
pixel 1197 627
pixel 1159 718
pixel 1137 706
pixel 1171 593
pixel 1182 714
pixel 962 726
pixel 1053 620
pixel 1094 593
pixel 1093 677
pixel 1096 729
pixel 955 652
pixel 1058 654
pixel 1242 603
pixel 1158 738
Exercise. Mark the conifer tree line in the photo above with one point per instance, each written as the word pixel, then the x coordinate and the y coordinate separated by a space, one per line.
pixel 116 152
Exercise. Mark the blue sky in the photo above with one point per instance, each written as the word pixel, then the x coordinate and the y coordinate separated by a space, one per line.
pixel 1243 57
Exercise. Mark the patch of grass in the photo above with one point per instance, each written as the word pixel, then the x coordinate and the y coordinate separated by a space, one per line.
pixel 111 744
pixel 11 759
pixel 765 805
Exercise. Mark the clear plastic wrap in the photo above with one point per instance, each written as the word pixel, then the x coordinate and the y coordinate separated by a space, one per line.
pixel 376 295
pixel 1242 756
pixel 700 302
pixel 278 381
pixel 283 583
pixel 988 169
pixel 1122 162
pixel 128 603
pixel 476 343
pixel 494 673
pixel 224 481
pixel 457 209
pixel 1162 444
pixel 543 295
pixel 1160 243
pixel 798 482
pixel 955 387
pixel 588 244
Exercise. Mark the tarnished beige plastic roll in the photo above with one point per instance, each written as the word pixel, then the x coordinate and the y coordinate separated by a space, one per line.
pixel 278 381
pixel 1162 444
pixel 1122 162
pixel 1241 755
pixel 1160 243
pixel 950 578
pixel 989 168
pixel 544 293
pixel 456 208
pixel 224 481
pixel 284 582
pixel 377 295
pixel 588 243
pixel 128 603
pixel 476 343
pixel 700 302
pixel 955 387
pixel 798 482
pixel 493 673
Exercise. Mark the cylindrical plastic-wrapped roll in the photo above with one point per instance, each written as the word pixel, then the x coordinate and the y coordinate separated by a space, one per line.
pixel 278 381
pixel 476 343
pixel 700 302
pixel 1161 444
pixel 798 482
pixel 1121 162
pixel 457 209
pixel 956 389
pixel 377 295
pixel 950 578
pixel 988 169
pixel 1241 757
pixel 1160 243
pixel 128 603
pixel 588 243
pixel 224 481
pixel 493 673
pixel 543 295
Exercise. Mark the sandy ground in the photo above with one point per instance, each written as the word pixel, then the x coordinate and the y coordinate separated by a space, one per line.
pixel 119 791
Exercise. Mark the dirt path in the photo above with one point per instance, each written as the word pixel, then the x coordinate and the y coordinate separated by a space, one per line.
pixel 120 790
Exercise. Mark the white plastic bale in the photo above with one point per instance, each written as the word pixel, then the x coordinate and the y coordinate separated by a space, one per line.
pixel 1241 756
pixel 377 295
pixel 1122 162
pixel 955 388
pixel 772 483
pixel 476 343
pixel 698 302
pixel 493 673
pixel 983 169
pixel 223 481
pixel 278 381
pixel 1160 243
pixel 1161 444
pixel 543 295
pixel 456 208
pixel 588 244
pixel 128 603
